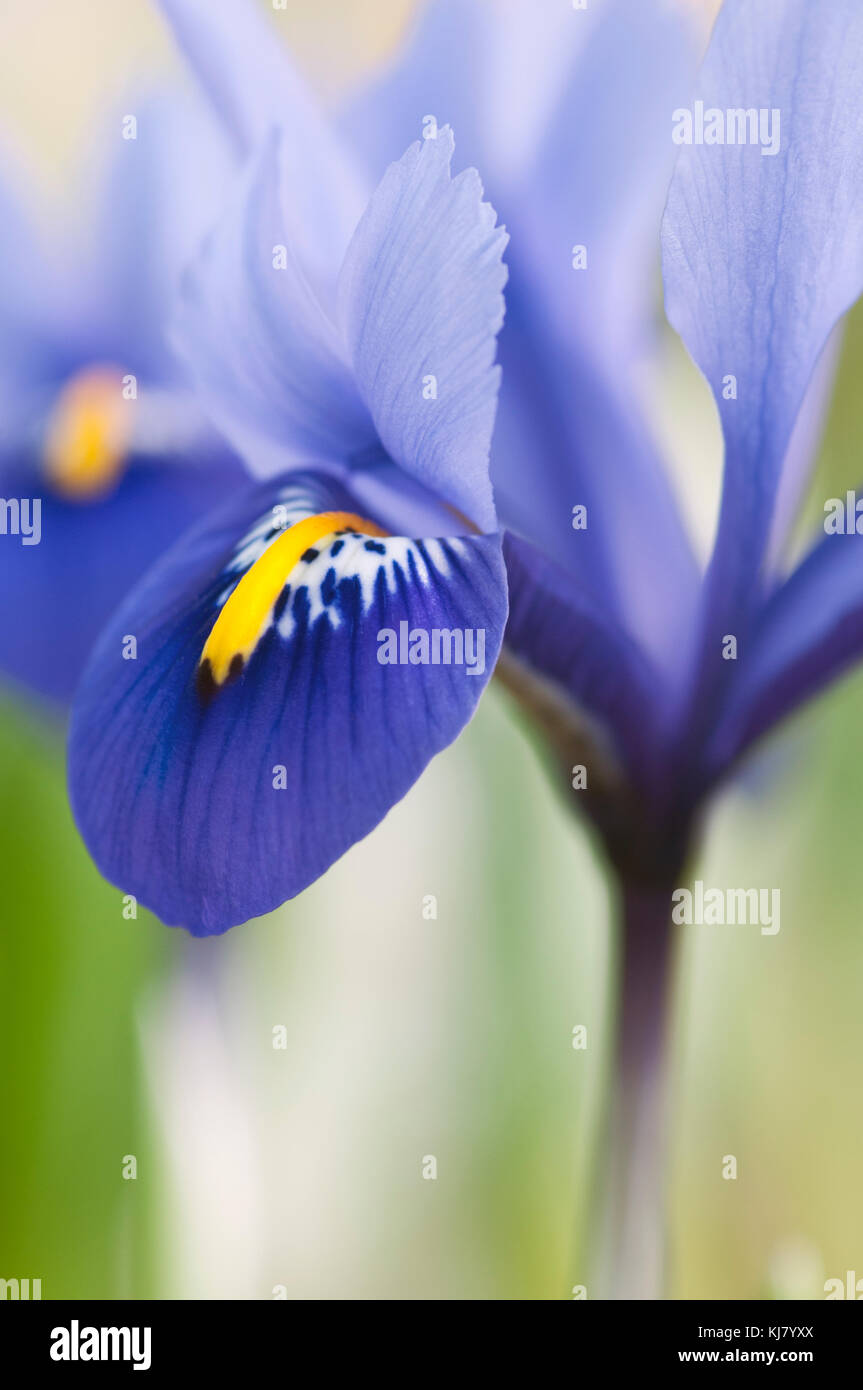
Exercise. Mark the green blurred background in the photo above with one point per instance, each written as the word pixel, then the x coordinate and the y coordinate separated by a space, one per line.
pixel 301 1167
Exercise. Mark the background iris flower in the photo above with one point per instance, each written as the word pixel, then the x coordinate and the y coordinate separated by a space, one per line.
pixel 98 429
pixel 762 255
pixel 620 645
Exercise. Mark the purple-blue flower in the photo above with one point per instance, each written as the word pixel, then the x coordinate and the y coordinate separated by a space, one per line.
pixel 342 337
pixel 619 641
pixel 105 456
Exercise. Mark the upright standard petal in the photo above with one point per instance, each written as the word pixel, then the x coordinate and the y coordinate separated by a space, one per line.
pixel 270 367
pixel 421 303
pixel 294 668
pixel 763 251
pixel 245 69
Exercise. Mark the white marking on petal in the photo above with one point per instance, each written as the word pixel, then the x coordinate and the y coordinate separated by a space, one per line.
pixel 353 560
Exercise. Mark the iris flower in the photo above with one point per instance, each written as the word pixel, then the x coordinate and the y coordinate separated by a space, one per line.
pixel 258 734
pixel 347 354
pixel 105 456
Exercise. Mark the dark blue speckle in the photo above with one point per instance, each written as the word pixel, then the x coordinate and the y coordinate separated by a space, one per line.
pixel 328 587
pixel 281 603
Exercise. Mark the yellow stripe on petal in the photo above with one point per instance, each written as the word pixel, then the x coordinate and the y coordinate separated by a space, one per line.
pixel 89 434
pixel 246 614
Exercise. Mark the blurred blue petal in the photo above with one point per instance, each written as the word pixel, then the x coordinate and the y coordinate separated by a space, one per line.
pixel 59 594
pixel 35 307
pixel 268 363
pixel 71 308
pixel 253 86
pixel 155 198
pixel 24 294
pixel 438 73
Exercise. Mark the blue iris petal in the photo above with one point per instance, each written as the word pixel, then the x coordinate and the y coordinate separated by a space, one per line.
pixel 421 303
pixel 763 252
pixel 215 810
pixel 808 634
pixel 555 628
